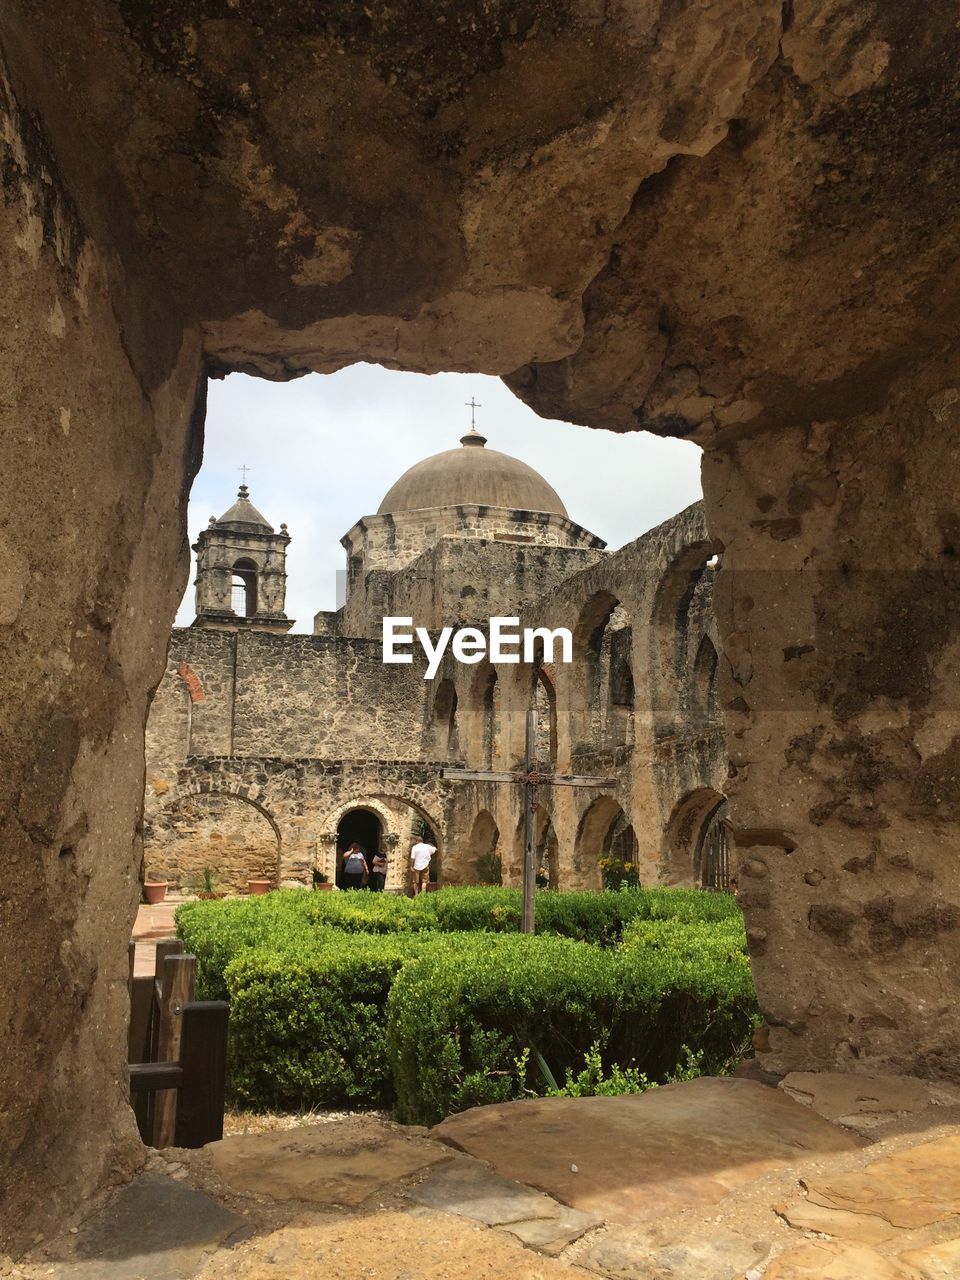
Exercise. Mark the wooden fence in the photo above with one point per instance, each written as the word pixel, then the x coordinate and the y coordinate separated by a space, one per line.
pixel 177 1050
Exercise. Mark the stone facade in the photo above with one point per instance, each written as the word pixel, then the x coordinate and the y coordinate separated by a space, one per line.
pixel 303 730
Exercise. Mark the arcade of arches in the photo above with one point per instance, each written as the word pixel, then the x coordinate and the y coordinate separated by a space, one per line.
pixel 737 228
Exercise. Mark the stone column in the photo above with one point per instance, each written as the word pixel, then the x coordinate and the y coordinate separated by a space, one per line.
pixel 95 460
pixel 838 603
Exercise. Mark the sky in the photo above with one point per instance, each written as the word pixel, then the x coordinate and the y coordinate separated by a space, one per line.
pixel 323 450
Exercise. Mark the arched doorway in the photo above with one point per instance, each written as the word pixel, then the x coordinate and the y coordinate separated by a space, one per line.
pixel 606 833
pixel 711 863
pixel 696 848
pixel 362 826
pixel 484 858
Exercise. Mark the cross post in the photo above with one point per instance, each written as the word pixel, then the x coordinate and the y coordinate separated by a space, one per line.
pixel 243 472
pixel 529 777
pixel 473 405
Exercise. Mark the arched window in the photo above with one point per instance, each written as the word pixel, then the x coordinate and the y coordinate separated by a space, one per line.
pixel 605 704
pixel 243 589
pixel 445 736
pixel 704 679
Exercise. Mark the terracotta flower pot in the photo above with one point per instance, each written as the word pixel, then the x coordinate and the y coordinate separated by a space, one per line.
pixel 259 886
pixel 323 886
pixel 155 891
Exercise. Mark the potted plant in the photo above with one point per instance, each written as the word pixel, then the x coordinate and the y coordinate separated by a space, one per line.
pixel 259 886
pixel 618 874
pixel 320 880
pixel 206 884
pixel 154 891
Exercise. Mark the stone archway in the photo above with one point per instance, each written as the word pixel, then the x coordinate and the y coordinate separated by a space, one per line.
pixel 232 835
pixel 604 831
pixel 685 836
pixel 657 297
pixel 484 858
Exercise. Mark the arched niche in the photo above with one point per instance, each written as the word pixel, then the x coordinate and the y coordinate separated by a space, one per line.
pixel 243 588
pixel 604 702
pixel 484 857
pixel 685 842
pixel 605 831
pixel 236 837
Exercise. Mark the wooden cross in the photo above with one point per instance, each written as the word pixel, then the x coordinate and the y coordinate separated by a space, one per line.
pixel 529 777
pixel 473 406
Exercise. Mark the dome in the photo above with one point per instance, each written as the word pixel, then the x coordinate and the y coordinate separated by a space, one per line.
pixel 472 476
pixel 243 516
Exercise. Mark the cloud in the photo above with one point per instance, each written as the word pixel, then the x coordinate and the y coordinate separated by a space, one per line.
pixel 323 450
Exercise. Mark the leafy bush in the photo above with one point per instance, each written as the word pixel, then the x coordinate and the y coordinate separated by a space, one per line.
pixel 308 1029
pixel 463 1021
pixel 216 932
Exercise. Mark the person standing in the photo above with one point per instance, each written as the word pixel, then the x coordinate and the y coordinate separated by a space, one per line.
pixel 354 867
pixel 378 871
pixel 420 858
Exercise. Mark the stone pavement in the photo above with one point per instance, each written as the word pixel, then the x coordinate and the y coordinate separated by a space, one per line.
pixel 152 923
pixel 706 1180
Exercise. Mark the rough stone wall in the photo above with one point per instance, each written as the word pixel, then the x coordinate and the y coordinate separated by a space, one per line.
pixel 460 582
pixel 841 661
pixel 383 553
pixel 96 450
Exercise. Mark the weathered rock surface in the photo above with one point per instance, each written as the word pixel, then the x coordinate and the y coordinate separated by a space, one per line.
pixel 467 1188
pixel 863 1102
pixel 153 1229
pixel 829 1260
pixel 721 1255
pixel 319 1164
pixel 911 1188
pixel 678 1147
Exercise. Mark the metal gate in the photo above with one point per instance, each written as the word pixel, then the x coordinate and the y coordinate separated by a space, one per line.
pixel 712 864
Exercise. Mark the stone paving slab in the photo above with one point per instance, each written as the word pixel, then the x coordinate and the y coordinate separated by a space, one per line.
pixel 835 1260
pixel 866 1101
pixel 678 1147
pixel 320 1164
pixel 469 1189
pixel 911 1188
pixel 153 1229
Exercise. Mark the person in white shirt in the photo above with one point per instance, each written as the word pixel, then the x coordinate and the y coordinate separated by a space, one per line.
pixel 420 856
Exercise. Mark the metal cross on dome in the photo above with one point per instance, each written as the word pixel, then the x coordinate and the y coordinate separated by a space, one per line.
pixel 473 406
pixel 243 473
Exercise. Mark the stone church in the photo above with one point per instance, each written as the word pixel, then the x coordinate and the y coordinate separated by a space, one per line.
pixel 268 752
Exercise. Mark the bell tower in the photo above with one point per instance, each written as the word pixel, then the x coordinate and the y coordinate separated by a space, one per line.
pixel 241 571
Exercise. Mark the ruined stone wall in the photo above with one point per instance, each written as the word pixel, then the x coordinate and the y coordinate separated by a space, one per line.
pixel 317 700
pixel 841 658
pixel 97 447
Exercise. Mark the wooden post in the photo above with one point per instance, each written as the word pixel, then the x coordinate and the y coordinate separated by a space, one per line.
pixel 529 831
pixel 203 1058
pixel 179 973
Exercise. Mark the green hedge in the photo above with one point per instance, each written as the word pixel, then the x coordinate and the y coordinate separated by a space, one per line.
pixel 217 931
pixel 465 1024
pixel 309 1029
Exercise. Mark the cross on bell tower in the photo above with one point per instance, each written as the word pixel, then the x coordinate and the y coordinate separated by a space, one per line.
pixel 241 570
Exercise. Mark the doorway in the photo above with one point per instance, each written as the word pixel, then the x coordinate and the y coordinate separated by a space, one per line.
pixel 362 826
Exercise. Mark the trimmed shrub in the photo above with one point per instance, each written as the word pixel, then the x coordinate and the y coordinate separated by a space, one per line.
pixel 464 1021
pixel 218 931
pixel 308 1029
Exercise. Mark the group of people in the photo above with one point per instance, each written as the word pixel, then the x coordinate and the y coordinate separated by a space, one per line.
pixel 358 872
